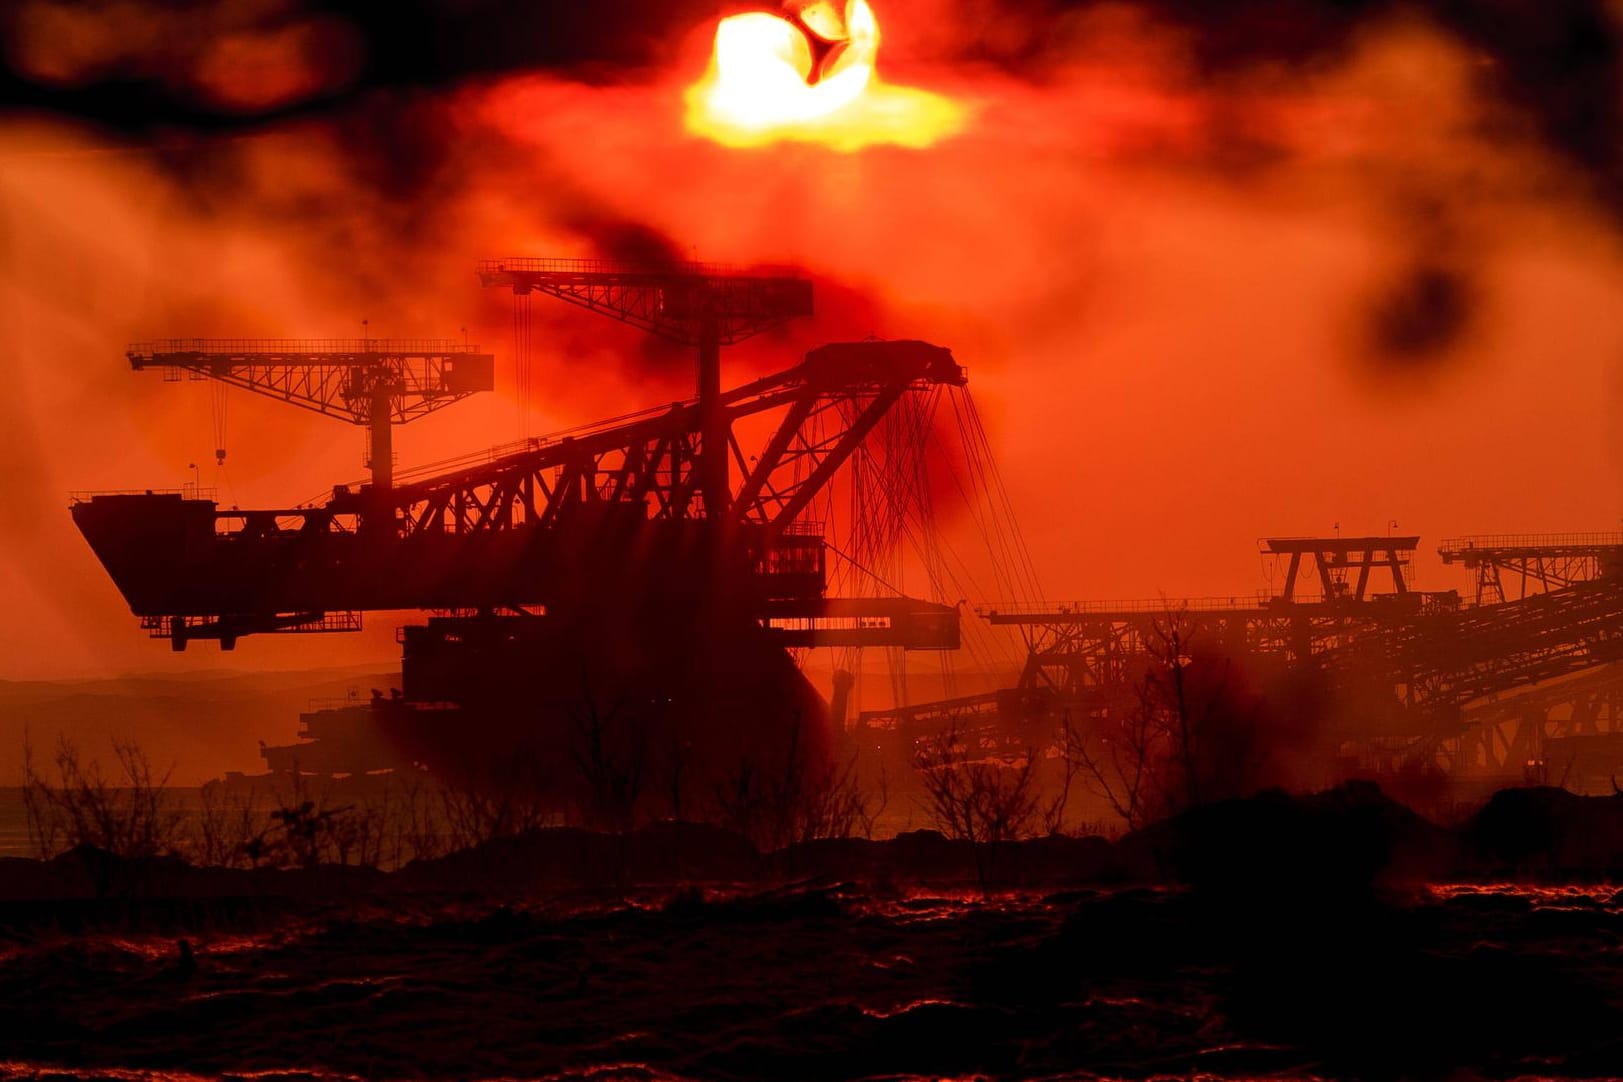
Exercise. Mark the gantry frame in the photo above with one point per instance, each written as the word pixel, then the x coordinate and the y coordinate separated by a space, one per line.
pixel 375 382
pixel 704 305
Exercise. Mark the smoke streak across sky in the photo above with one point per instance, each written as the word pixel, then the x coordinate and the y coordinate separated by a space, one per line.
pixel 1218 270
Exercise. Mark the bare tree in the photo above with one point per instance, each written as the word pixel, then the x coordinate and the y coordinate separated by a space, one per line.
pixel 519 796
pixel 131 815
pixel 419 830
pixel 1126 767
pixel 834 804
pixel 303 830
pixel 797 799
pixel 393 820
pixel 223 827
pixel 46 829
pixel 1069 755
pixel 610 755
pixel 977 797
pixel 675 761
pixel 1154 757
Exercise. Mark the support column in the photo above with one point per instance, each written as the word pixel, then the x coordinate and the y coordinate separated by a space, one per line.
pixel 381 433
pixel 714 482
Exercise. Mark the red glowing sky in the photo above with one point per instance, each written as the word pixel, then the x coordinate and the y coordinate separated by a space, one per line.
pixel 1193 314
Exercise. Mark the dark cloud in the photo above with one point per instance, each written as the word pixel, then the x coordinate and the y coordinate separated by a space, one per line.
pixel 1429 302
pixel 1421 313
pixel 143 69
pixel 633 242
pixel 1558 64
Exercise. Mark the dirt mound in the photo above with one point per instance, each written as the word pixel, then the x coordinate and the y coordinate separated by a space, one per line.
pixel 1347 839
pixel 1545 831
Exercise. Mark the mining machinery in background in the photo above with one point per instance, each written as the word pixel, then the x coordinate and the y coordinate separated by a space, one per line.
pixel 1519 679
pixel 653 558
pixel 1513 567
pixel 1558 594
pixel 648 560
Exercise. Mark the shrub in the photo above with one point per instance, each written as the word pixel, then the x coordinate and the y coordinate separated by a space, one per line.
pixel 131 815
pixel 977 798
pixel 798 799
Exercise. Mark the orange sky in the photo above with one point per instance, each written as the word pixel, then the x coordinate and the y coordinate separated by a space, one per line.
pixel 1169 299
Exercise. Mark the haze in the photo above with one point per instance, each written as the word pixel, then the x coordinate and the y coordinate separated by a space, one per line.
pixel 1197 306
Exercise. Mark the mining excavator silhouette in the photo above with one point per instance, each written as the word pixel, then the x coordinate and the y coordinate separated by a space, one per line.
pixel 644 564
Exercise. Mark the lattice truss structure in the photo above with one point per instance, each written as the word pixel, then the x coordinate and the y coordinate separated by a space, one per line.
pixel 459 536
pixel 1509 567
pixel 1470 687
pixel 1547 731
pixel 1082 645
pixel 673 300
pixel 335 377
pixel 826 406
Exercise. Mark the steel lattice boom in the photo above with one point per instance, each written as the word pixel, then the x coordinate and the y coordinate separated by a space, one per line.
pixel 1533 563
pixel 696 304
pixel 377 382
pixel 672 300
pixel 560 522
pixel 828 405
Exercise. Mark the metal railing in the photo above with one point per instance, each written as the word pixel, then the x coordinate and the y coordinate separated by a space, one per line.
pixel 320 703
pixel 1262 603
pixel 162 627
pixel 186 492
pixel 1461 545
pixel 632 268
pixel 292 347
pixel 501 451
pixel 804 527
pixel 1135 605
